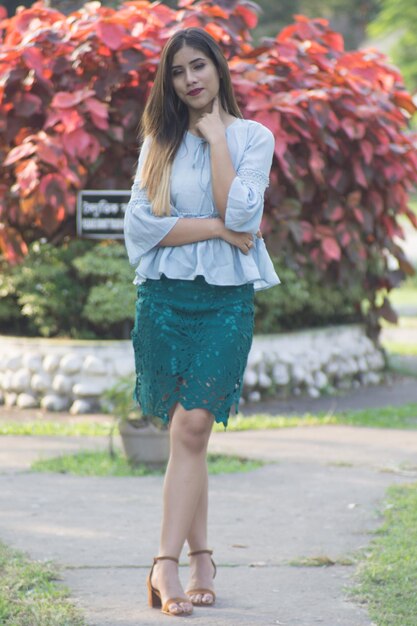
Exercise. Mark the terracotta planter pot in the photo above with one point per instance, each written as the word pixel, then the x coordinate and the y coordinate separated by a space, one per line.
pixel 146 444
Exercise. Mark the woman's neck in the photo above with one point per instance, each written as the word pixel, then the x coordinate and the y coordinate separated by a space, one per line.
pixel 194 118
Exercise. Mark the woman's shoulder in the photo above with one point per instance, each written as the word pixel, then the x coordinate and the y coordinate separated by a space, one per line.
pixel 145 143
pixel 251 129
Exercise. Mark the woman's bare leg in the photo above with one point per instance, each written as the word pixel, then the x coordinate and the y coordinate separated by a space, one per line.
pixel 197 537
pixel 185 479
pixel 201 565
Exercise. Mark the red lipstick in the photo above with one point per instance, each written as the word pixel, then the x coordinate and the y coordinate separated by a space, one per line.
pixel 195 92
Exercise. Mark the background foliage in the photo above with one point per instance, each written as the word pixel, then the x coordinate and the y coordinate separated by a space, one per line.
pixel 349 17
pixel 72 94
pixel 400 17
pixel 82 289
pixel 78 289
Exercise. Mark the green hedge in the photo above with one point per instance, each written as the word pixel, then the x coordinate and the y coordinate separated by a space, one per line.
pixel 84 289
pixel 303 301
pixel 80 289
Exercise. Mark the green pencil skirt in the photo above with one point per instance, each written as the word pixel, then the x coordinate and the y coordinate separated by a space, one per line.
pixel 191 343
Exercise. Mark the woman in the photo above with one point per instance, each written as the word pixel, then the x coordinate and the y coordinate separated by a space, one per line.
pixel 192 229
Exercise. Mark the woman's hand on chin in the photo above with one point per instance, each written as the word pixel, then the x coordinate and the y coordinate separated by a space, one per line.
pixel 210 125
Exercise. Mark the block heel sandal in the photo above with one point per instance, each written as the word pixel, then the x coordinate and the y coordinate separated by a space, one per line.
pixel 202 590
pixel 154 595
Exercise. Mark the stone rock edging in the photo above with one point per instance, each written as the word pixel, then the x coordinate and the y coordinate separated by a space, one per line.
pixel 60 375
pixel 313 362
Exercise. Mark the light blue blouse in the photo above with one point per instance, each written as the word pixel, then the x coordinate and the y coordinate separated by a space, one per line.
pixel 251 147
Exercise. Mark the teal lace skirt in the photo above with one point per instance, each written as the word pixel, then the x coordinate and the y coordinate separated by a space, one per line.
pixel 191 342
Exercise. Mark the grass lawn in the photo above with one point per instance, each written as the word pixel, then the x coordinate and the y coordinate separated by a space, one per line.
pixel 388 575
pixel 30 595
pixel 45 428
pixel 402 349
pixel 405 321
pixel 387 417
pixel 102 464
pixel 405 296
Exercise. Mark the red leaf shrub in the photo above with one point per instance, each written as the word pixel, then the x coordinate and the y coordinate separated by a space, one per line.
pixel 72 93
pixel 344 157
pixel 73 89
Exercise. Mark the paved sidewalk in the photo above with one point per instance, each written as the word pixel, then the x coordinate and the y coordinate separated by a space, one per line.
pixel 398 391
pixel 320 495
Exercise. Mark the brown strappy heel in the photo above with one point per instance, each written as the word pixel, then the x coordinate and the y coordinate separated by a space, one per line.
pixel 203 591
pixel 154 595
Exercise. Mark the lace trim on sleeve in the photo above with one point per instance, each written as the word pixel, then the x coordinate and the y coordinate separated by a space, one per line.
pixel 255 178
pixel 139 197
pixel 139 200
pixel 137 190
pixel 142 196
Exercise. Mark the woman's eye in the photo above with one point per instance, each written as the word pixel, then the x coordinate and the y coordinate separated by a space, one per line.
pixel 178 71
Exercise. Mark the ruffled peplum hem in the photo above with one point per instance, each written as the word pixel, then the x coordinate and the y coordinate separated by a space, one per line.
pixel 216 260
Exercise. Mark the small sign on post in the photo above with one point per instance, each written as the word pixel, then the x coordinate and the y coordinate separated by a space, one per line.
pixel 100 213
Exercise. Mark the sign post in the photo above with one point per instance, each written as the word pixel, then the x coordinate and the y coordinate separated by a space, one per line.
pixel 100 213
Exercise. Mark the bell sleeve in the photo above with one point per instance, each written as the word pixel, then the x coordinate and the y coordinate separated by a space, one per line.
pixel 245 202
pixel 142 229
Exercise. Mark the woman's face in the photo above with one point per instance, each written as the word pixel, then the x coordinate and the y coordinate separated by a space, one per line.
pixel 195 79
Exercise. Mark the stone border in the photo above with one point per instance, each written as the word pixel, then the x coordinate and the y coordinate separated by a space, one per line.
pixel 314 362
pixel 58 374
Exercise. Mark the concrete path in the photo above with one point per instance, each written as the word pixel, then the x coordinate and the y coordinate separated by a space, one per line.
pixel 320 495
pixel 399 390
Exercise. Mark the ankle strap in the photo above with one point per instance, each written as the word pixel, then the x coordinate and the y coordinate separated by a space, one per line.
pixel 165 558
pixel 200 552
pixel 210 552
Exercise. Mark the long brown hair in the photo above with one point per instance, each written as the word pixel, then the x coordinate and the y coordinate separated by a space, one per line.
pixel 165 118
